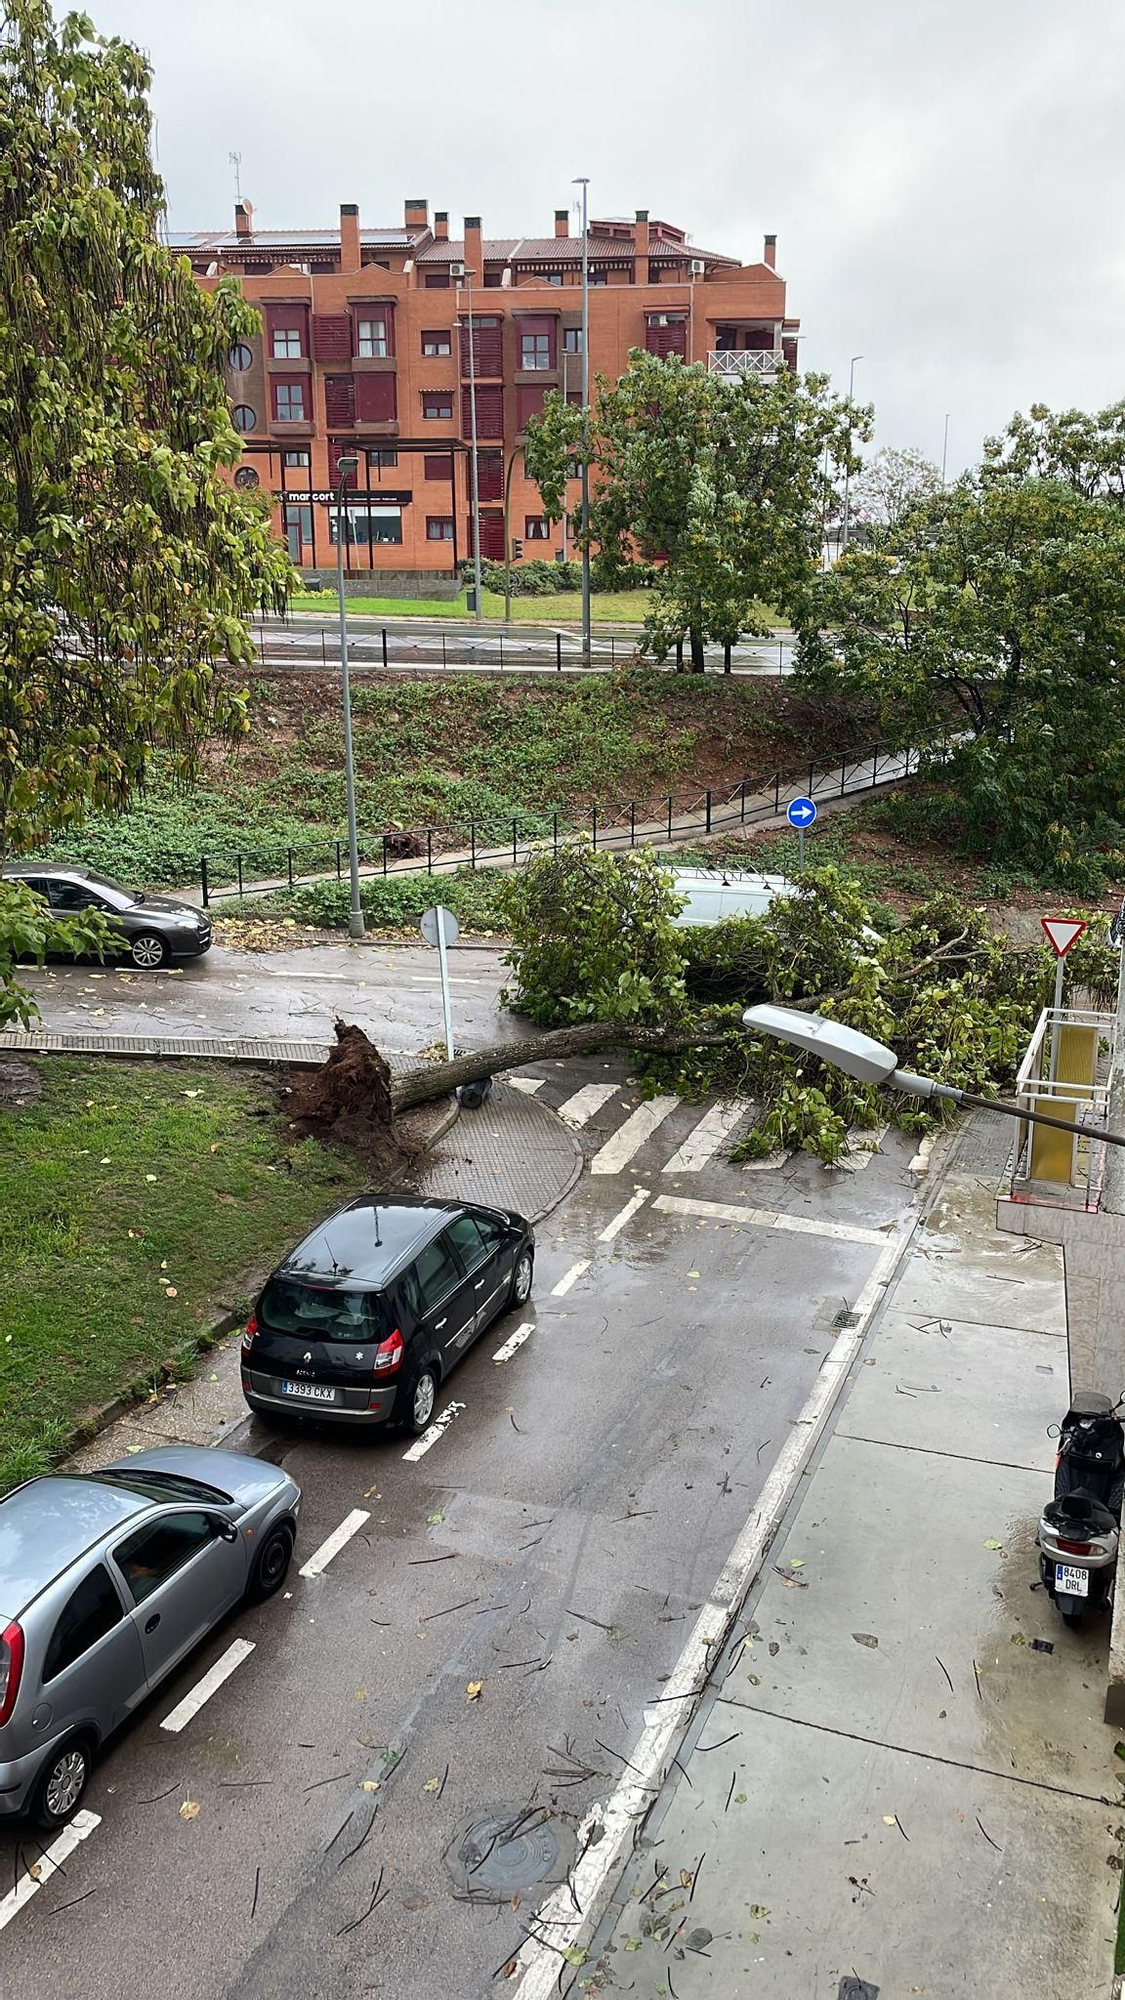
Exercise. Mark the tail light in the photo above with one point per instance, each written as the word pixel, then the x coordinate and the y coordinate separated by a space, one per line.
pixel 11 1669
pixel 1074 1548
pixel 249 1333
pixel 389 1353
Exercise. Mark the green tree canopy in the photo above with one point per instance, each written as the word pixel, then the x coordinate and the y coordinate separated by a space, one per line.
pixel 722 482
pixel 995 613
pixel 891 484
pixel 1084 449
pixel 129 565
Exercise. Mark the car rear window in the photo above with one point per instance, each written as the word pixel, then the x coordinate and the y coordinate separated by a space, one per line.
pixel 320 1313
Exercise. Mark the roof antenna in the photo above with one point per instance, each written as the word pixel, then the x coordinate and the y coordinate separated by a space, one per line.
pixel 236 162
pixel 378 1238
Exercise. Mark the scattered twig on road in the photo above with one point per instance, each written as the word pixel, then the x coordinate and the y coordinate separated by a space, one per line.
pixel 514 1424
pixel 444 1776
pixel 342 1828
pixel 333 1780
pixel 586 1620
pixel 682 1771
pixel 415 1561
pixel 730 1794
pixel 501 1664
pixel 376 1899
pixel 761 1448
pixel 976 1677
pixel 701 1749
pixel 60 1907
pixel 945 1671
pixel 362 1838
pixel 695 1874
pixel 241 1784
pixel 257 1886
pixel 988 1836
pixel 620 1753
pixel 155 1800
pixel 463 1606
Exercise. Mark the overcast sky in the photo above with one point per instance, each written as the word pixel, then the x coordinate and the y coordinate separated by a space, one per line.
pixel 945 177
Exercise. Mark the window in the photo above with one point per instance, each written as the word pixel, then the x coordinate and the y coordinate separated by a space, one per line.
pixel 299 518
pixel 465 1237
pixel 296 458
pixel 88 1614
pixel 246 477
pixel 149 1557
pixel 379 460
pixel 240 359
pixel 437 465
pixel 245 419
pixel 289 402
pixel 366 525
pixel 535 350
pixel 286 343
pixel 437 1274
pixel 372 337
pixel 553 278
pixel 572 340
pixel 535 528
pixel 437 281
pixel 491 1231
pixel 437 341
pixel 493 280
pixel 596 278
pixel 317 1313
pixel 73 896
pixel 439 528
pixel 437 404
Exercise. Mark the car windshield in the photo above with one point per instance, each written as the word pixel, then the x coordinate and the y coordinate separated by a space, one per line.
pixel 160 1485
pixel 319 1313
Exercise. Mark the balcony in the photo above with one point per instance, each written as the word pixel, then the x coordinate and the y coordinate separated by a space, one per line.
pixel 740 363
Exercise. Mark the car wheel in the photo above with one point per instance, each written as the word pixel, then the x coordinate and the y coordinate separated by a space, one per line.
pixel 521 1279
pixel 148 951
pixel 420 1404
pixel 271 1564
pixel 62 1781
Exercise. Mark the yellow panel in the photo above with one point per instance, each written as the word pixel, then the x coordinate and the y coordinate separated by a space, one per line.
pixel 1052 1153
pixel 1078 1053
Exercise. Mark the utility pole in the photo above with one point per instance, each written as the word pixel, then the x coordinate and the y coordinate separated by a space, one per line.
pixel 1113 1183
pixel 516 449
pixel 944 447
pixel 583 182
pixel 848 467
pixel 473 450
pixel 345 468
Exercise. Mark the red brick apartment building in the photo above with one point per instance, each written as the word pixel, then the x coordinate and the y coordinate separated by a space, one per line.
pixel 365 349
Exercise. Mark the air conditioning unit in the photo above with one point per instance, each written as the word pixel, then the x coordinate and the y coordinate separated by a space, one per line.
pixel 456 270
pixel 697 267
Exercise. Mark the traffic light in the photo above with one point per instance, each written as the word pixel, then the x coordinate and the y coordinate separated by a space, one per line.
pixel 517 549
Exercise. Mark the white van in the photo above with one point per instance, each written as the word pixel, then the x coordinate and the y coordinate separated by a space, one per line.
pixel 714 893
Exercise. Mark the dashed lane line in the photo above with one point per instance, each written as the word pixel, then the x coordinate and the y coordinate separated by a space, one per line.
pixel 704 1140
pixel 630 1137
pixel 437 1429
pixel 570 1278
pixel 50 1862
pixel 766 1218
pixel 349 1526
pixel 515 1341
pixel 586 1102
pixel 212 1681
pixel 624 1215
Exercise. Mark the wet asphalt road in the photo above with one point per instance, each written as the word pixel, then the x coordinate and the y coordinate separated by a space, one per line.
pixel 553 1545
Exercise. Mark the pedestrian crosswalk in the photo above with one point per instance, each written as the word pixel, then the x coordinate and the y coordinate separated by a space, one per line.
pixel 624 1127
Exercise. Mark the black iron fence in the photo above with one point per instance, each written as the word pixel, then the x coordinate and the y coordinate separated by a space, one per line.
pixel 433 850
pixel 299 648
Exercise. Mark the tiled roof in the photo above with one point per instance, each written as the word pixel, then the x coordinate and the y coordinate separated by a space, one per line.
pixel 449 249
pixel 289 239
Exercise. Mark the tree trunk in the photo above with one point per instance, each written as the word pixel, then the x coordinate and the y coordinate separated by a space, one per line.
pixel 698 663
pixel 436 1079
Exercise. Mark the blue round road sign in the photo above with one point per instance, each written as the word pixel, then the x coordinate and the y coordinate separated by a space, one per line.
pixel 800 812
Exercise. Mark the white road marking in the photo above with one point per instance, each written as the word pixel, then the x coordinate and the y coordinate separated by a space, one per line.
pixel 455 979
pixel 336 1541
pixel 625 1215
pixel 570 1278
pixel 49 1863
pixel 585 1102
pixel 639 1126
pixel 212 1681
pixel 514 1341
pixel 528 1084
pixel 862 1147
pixel 431 1436
pixel 650 1760
pixel 715 1125
pixel 766 1218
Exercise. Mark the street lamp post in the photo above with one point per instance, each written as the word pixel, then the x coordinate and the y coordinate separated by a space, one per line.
pixel 848 467
pixel 345 467
pixel 583 182
pixel 473 450
pixel 516 449
pixel 870 1061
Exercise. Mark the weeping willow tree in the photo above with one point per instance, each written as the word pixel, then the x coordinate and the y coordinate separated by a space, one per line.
pixel 129 565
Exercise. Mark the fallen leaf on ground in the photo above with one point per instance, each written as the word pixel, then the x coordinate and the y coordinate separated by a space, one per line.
pixel 865 1638
pixel 170 1292
pixel 432 1785
pixel 890 1819
pixel 994 1545
pixel 189 1809
pixel 573 1954
pixel 370 1785
pixel 150 1177
pixel 473 1693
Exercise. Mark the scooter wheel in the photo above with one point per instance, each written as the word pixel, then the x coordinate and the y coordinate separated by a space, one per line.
pixel 1071 1618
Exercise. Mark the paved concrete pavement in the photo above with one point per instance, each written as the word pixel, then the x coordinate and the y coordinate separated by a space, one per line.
pixel 553 1542
pixel 901 1775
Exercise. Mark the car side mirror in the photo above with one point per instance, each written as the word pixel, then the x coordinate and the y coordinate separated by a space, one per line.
pixel 226 1529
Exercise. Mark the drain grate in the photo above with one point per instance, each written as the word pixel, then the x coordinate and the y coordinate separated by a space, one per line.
pixel 495 1854
pixel 844 1319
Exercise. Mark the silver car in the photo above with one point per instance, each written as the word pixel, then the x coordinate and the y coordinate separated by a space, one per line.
pixel 107 1580
pixel 151 929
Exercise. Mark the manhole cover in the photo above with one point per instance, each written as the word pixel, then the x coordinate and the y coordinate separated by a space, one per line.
pixel 506 1849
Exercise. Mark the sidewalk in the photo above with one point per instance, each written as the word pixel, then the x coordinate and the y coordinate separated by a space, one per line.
pixel 902 1784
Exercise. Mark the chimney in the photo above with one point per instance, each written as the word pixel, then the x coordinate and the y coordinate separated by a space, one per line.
pixel 769 253
pixel 417 215
pixel 244 218
pixel 474 248
pixel 441 225
pixel 349 236
pixel 640 237
pixel 562 222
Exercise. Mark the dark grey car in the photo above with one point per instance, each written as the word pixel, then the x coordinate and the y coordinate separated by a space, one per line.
pixel 153 928
pixel 107 1580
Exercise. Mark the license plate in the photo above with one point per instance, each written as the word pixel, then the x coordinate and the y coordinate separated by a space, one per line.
pixel 310 1391
pixel 1071 1580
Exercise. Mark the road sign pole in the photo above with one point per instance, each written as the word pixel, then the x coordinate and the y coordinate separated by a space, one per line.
pixel 446 1007
pixel 800 850
pixel 1054 1068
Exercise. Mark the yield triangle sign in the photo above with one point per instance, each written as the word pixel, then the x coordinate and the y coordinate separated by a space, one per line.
pixel 1062 932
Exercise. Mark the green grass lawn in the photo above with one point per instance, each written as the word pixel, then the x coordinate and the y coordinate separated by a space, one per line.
pixel 136 1200
pixel 560 607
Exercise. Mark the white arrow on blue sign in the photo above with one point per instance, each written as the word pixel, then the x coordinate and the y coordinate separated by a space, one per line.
pixel 800 812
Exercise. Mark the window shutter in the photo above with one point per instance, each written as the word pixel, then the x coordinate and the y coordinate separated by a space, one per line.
pixel 666 339
pixel 490 412
pixel 487 347
pixel 789 350
pixel 339 401
pixel 437 465
pixel 492 537
pixel 332 337
pixel 529 402
pixel 375 400
pixel 490 475
pixel 335 453
pixel 286 316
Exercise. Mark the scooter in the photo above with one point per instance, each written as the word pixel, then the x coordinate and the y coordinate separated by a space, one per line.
pixel 1081 1527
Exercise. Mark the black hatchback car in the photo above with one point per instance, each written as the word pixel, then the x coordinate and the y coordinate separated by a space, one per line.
pixel 152 929
pixel 367 1316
